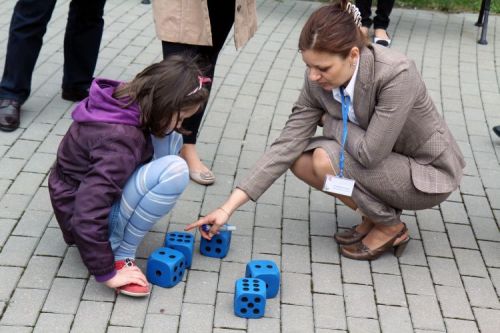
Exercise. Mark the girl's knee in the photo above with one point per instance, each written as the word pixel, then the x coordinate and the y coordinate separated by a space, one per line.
pixel 175 171
pixel 183 170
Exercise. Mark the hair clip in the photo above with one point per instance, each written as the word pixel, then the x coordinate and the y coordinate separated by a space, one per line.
pixel 354 11
pixel 201 80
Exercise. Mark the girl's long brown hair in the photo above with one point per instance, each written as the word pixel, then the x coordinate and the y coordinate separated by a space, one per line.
pixel 163 89
pixel 332 29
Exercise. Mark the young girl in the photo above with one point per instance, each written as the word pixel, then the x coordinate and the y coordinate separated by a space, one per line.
pixel 117 170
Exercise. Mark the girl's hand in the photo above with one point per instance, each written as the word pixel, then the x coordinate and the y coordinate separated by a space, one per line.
pixel 126 276
pixel 215 219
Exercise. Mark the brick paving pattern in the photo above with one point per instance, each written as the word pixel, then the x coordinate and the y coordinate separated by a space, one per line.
pixel 448 280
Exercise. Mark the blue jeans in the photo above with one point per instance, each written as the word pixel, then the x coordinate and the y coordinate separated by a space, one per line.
pixel 27 28
pixel 149 194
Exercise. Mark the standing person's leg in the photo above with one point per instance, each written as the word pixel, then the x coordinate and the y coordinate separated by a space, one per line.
pixel 381 20
pixel 81 47
pixel 365 9
pixel 221 19
pixel 27 27
pixel 197 170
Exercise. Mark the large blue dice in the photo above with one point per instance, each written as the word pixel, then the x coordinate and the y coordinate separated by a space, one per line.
pixel 250 298
pixel 182 242
pixel 166 267
pixel 218 246
pixel 265 270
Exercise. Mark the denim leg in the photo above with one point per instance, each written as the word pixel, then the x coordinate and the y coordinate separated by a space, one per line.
pixel 27 28
pixel 81 42
pixel 116 226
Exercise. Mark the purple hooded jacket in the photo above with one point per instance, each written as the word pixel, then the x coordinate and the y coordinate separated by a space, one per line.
pixel 100 151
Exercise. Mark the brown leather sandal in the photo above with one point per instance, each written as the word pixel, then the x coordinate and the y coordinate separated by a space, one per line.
pixel 359 251
pixel 350 236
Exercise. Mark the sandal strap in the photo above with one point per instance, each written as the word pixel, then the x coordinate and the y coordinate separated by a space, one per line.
pixel 399 234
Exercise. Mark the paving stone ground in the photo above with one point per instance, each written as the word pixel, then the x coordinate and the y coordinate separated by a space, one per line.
pixel 447 280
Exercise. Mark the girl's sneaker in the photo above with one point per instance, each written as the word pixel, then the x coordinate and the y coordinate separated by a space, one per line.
pixel 131 289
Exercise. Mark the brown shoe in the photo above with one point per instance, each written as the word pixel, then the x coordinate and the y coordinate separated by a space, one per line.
pixel 349 236
pixel 352 236
pixel 10 111
pixel 359 251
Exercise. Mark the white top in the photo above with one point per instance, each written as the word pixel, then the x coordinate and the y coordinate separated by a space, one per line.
pixel 348 91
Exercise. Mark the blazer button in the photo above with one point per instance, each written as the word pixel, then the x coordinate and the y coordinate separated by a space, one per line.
pixel 238 8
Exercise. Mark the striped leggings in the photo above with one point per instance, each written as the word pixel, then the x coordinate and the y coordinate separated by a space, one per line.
pixel 150 193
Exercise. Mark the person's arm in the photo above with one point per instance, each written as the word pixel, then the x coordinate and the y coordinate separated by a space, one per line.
pixel 219 217
pixel 294 138
pixel 112 163
pixel 291 143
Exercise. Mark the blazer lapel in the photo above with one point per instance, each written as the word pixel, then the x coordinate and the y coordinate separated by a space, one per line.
pixel 363 90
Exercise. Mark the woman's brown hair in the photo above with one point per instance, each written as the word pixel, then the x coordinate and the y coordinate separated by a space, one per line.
pixel 163 89
pixel 333 29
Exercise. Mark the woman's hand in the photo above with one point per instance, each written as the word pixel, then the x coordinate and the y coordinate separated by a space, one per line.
pixel 215 219
pixel 219 217
pixel 127 275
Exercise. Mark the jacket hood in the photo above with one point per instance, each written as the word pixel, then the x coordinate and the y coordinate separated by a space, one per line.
pixel 101 106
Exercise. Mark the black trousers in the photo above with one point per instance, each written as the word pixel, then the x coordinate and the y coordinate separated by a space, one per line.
pixel 221 19
pixel 27 28
pixel 381 19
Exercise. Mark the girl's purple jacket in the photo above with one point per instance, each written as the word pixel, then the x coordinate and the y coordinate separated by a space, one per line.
pixel 100 151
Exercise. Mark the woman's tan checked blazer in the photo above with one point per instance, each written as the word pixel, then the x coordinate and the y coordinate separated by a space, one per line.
pixel 395 114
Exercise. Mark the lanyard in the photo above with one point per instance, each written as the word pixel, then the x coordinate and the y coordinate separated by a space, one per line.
pixel 346 103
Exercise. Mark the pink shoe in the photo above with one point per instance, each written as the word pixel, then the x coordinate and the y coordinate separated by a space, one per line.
pixel 131 289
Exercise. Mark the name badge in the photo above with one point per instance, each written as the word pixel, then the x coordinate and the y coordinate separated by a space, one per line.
pixel 337 185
